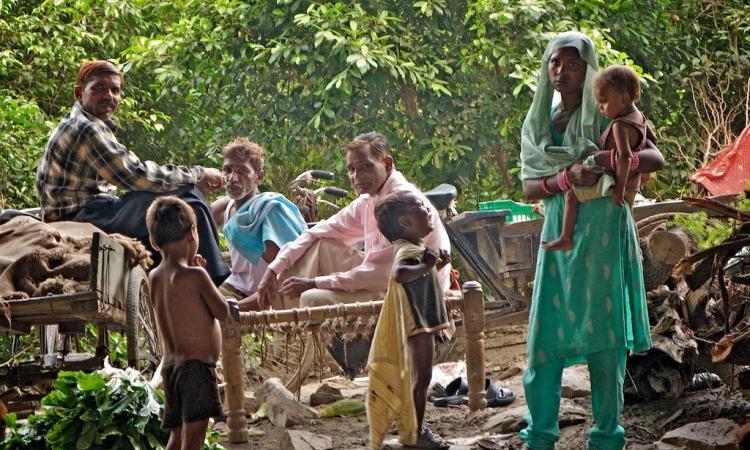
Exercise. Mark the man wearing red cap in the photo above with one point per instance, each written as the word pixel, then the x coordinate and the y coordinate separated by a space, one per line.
pixel 83 165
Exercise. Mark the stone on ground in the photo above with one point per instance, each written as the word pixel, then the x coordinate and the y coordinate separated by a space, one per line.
pixel 324 395
pixel 281 406
pixel 511 420
pixel 719 434
pixel 305 440
pixel 576 382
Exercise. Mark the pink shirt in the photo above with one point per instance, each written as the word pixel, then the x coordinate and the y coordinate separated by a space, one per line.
pixel 354 223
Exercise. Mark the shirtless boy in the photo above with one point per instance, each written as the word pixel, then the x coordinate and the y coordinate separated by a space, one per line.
pixel 188 309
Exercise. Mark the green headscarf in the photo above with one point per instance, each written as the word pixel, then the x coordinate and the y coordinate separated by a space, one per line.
pixel 539 157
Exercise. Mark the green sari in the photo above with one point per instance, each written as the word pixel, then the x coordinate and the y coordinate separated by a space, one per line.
pixel 591 298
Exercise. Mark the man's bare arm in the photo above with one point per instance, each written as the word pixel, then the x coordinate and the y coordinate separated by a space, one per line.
pixel 218 207
pixel 271 251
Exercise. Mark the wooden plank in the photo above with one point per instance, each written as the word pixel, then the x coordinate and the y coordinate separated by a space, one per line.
pixel 109 270
pixel 62 303
pixel 62 308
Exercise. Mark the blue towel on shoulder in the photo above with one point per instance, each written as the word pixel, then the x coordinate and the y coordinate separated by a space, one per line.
pixel 268 216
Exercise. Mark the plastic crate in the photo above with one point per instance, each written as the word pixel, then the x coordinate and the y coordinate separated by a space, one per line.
pixel 518 211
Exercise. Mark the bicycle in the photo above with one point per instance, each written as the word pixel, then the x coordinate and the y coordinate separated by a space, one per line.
pixel 308 199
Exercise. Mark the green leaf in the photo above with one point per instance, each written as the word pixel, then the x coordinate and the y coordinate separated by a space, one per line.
pixel 87 436
pixel 90 382
pixel 10 420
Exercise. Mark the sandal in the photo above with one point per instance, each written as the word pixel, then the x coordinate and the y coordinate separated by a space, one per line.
pixel 428 439
pixel 436 391
pixel 455 393
pixel 496 395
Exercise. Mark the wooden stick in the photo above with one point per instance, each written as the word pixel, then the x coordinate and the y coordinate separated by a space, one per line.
pixel 233 365
pixel 474 329
pixel 320 313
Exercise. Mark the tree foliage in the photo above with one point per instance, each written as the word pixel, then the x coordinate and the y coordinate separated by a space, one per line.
pixel 449 83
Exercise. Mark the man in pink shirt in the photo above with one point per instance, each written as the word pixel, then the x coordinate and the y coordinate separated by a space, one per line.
pixel 321 267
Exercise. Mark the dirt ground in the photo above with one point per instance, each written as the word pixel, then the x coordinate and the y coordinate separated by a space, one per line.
pixel 505 359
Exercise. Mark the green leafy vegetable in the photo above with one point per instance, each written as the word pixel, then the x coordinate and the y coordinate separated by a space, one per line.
pixel 109 409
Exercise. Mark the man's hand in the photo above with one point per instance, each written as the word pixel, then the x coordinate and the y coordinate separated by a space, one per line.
pixel 212 180
pixel 249 303
pixel 268 288
pixel 198 260
pixel 430 257
pixel 294 286
pixel 444 257
pixel 582 175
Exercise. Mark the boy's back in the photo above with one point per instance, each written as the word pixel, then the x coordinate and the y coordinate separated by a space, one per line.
pixel 189 329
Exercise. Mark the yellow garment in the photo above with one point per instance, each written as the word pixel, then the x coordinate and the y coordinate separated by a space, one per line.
pixel 389 395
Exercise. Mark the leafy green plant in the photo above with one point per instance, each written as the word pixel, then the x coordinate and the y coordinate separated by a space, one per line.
pixel 709 232
pixel 117 346
pixel 108 409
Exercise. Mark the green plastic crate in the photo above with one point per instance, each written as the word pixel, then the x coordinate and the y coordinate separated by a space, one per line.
pixel 518 211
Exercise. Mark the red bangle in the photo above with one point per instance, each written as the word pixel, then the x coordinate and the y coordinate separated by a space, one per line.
pixel 635 162
pixel 562 180
pixel 613 159
pixel 566 177
pixel 545 188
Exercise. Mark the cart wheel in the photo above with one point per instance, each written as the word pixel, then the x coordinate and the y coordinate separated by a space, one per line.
pixel 144 351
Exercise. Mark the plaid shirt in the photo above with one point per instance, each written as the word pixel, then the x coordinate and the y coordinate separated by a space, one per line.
pixel 83 160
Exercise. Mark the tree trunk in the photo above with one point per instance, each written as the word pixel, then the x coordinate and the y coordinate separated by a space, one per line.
pixel 662 249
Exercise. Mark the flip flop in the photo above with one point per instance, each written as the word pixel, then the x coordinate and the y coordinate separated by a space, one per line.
pixel 497 396
pixel 459 386
pixel 455 393
pixel 436 391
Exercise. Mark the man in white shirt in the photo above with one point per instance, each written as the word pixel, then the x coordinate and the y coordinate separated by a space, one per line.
pixel 255 224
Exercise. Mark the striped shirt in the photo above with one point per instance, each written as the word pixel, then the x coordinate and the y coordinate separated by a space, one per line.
pixel 83 160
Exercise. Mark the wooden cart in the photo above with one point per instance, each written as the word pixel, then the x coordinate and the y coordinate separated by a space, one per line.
pixel 117 299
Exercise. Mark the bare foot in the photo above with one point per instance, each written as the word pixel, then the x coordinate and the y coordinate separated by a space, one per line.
pixel 558 244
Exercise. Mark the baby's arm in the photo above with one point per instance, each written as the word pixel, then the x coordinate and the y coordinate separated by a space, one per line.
pixel 624 156
pixel 210 295
pixel 404 273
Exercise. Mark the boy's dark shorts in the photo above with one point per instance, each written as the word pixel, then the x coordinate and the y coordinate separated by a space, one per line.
pixel 191 393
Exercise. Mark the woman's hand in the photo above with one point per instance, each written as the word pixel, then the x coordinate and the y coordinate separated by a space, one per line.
pixel 583 175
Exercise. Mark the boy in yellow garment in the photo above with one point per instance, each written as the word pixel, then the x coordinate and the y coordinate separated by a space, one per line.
pixel 414 312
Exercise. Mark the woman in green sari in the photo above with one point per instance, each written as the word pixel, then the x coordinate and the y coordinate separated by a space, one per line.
pixel 589 303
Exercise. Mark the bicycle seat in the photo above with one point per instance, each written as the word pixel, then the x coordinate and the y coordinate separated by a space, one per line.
pixel 442 195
